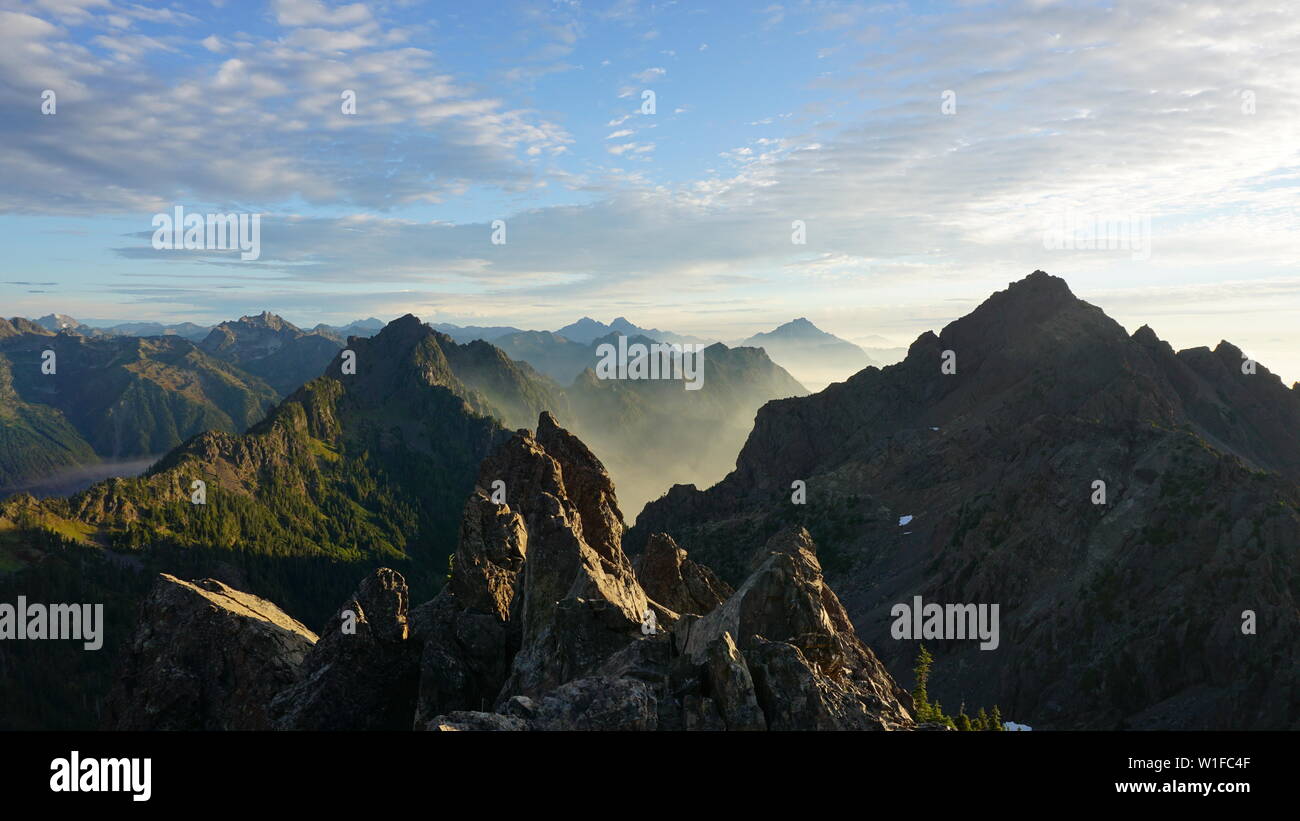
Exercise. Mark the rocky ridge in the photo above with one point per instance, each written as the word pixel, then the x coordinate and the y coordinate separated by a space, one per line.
pixel 544 624
pixel 980 486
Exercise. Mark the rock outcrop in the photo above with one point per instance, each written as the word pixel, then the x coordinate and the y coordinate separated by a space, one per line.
pixel 205 657
pixel 669 577
pixel 362 673
pixel 595 643
pixel 546 625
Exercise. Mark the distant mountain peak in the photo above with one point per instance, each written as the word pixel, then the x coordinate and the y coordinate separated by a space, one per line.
pixel 800 327
pixel 56 322
pixel 268 320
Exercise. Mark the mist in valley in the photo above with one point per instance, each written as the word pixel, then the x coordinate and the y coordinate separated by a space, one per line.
pixel 75 479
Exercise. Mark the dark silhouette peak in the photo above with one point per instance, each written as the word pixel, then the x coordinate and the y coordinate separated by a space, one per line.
pixel 405 331
pixel 1145 335
pixel 1227 349
pixel 925 343
pixel 1042 283
pixel 405 322
pixel 1024 305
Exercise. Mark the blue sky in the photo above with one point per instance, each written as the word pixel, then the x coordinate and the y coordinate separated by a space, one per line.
pixel 531 112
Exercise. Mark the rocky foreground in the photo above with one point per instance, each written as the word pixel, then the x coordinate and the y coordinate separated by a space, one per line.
pixel 545 624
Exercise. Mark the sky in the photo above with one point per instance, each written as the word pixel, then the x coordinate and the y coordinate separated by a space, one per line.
pixel 659 161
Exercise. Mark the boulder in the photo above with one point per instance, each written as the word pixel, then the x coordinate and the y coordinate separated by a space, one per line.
pixel 205 656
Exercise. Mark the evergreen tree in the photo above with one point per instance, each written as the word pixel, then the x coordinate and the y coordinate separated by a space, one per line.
pixel 920 693
pixel 963 720
pixel 996 719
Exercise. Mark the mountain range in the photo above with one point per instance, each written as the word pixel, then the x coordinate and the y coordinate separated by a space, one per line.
pixel 1133 511
pixel 355 469
pixel 588 330
pixel 812 356
pixel 269 347
pixel 1165 596
pixel 77 400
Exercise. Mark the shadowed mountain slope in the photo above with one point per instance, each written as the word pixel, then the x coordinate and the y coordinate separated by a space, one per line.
pixel 1123 613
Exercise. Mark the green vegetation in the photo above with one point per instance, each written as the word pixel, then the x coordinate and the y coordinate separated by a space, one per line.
pixel 927 711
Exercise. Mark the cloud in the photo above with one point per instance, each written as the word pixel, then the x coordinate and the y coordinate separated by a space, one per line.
pixel 249 129
pixel 317 13
pixel 649 75
pixel 1088 107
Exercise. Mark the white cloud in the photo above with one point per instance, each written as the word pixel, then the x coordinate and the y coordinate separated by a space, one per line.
pixel 317 13
pixel 649 75
pixel 243 130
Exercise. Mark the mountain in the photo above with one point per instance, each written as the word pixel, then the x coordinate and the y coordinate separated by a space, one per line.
pixel 361 327
pixel 35 440
pixel 622 326
pixel 815 357
pixel 653 433
pixel 978 486
pixel 126 398
pixel 625 419
pixel 469 333
pixel 559 358
pixel 269 347
pixel 18 326
pixel 544 624
pixel 58 322
pixel 513 391
pixel 880 349
pixel 185 330
pixel 584 331
pixel 587 330
pixel 350 471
